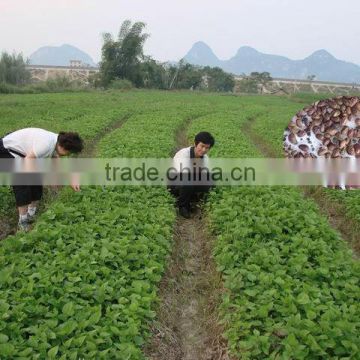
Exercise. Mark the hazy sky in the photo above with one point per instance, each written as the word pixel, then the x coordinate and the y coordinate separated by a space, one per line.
pixel 285 27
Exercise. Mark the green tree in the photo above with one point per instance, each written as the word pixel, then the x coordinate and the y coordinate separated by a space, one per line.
pixel 218 80
pixel 254 82
pixel 189 76
pixel 185 76
pixel 261 78
pixel 154 74
pixel 13 69
pixel 248 85
pixel 121 58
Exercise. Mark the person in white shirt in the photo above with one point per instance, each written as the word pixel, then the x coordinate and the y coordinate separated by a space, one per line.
pixel 36 143
pixel 192 157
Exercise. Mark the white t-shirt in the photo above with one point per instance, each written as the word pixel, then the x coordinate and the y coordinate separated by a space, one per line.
pixel 41 143
pixel 183 160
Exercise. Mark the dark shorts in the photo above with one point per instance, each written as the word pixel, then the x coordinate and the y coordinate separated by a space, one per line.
pixel 187 194
pixel 24 194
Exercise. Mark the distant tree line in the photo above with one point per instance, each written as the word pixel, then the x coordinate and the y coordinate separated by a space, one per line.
pixel 123 63
pixel 254 83
pixel 13 69
pixel 16 78
pixel 123 66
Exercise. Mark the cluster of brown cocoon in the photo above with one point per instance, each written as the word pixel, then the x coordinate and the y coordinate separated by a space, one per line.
pixel 329 128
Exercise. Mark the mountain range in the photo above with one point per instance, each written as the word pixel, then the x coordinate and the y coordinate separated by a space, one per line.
pixel 321 64
pixel 59 56
pixel 247 59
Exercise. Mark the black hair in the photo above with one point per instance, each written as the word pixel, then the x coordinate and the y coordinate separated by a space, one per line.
pixel 204 137
pixel 70 141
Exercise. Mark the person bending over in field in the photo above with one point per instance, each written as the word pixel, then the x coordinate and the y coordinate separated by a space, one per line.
pixel 193 158
pixel 36 143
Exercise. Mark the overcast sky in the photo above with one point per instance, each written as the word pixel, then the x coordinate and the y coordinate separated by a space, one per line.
pixel 292 28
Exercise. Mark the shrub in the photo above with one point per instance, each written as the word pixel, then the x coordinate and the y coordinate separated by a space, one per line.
pixel 121 84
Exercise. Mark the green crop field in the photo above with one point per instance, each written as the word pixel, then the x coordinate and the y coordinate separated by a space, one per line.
pixel 84 283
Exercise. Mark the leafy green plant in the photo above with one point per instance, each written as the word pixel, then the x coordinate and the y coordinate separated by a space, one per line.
pixel 291 286
pixel 83 283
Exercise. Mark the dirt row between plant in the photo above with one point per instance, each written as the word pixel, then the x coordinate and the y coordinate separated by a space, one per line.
pixel 187 323
pixel 8 223
pixel 335 212
pixel 90 147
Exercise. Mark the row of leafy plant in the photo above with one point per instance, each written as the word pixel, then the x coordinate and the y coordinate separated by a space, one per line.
pixel 82 284
pixel 292 286
pixel 91 113
pixel 270 126
pixel 86 113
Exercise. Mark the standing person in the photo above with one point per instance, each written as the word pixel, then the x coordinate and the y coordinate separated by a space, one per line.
pixel 36 143
pixel 186 158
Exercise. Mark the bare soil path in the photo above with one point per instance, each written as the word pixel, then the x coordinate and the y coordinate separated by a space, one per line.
pixel 187 325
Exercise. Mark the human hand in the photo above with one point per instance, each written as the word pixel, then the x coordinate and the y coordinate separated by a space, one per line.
pixel 75 187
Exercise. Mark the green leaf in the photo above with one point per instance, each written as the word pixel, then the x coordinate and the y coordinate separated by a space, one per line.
pixel 3 338
pixel 7 349
pixel 303 298
pixel 251 292
pixel 80 340
pixel 94 318
pixel 292 341
pixel 279 281
pixel 5 275
pixel 53 352
pixel 311 314
pixel 68 343
pixel 67 328
pixel 68 309
pixel 115 330
pixel 139 340
pixel 251 277
pixel 263 311
pixel 26 352
pixel 104 253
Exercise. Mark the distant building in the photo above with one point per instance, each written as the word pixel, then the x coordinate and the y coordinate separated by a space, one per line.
pixel 77 64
